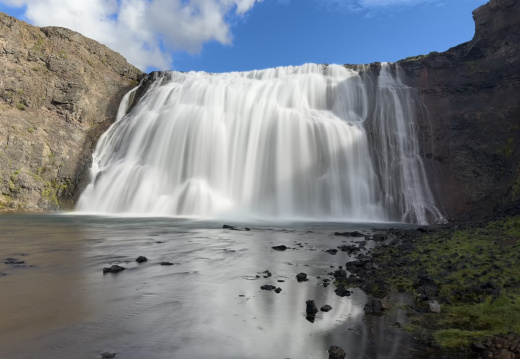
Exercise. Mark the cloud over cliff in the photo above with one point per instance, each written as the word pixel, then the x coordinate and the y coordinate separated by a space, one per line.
pixel 144 31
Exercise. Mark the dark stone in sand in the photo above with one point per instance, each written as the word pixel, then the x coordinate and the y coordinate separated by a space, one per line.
pixel 326 308
pixel 267 274
pixel 311 307
pixel 342 292
pixel 311 318
pixel 113 269
pixel 279 248
pixel 13 261
pixel 278 290
pixel 227 226
pixel 349 234
pixel 166 263
pixel 141 259
pixel 3 274
pixel 332 251
pixel 280 281
pixel 301 277
pixel 108 355
pixel 268 287
pixel 336 353
pixel 247 229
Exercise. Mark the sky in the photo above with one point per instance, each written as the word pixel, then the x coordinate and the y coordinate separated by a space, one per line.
pixel 241 35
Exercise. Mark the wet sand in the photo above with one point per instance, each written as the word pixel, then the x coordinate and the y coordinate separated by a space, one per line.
pixel 209 304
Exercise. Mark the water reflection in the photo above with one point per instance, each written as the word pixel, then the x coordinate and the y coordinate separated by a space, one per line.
pixel 205 305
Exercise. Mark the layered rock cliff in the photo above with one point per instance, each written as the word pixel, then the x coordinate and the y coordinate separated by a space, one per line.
pixel 471 134
pixel 58 92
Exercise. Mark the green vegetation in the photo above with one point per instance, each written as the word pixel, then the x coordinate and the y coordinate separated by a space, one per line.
pixel 53 189
pixel 21 106
pixel 508 149
pixel 477 273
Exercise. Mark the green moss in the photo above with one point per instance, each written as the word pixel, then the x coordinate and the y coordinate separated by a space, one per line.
pixel 508 149
pixel 462 262
pixel 30 130
pixel 21 106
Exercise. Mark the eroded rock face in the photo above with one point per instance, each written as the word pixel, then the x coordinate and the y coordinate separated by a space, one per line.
pixel 471 136
pixel 58 92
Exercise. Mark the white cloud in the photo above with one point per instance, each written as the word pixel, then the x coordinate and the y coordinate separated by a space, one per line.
pixel 144 31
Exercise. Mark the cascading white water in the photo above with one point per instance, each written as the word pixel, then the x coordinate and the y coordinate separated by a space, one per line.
pixel 314 141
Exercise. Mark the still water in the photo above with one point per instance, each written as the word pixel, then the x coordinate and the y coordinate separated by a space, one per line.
pixel 59 304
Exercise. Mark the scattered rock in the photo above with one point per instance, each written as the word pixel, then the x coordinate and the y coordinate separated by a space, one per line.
pixel 141 259
pixel 2 274
pixel 342 292
pixel 349 234
pixel 311 307
pixel 267 274
pixel 166 263
pixel 280 281
pixel 280 248
pixel 278 290
pixel 13 261
pixel 108 355
pixel 113 269
pixel 268 287
pixel 301 277
pixel 326 308
pixel 332 251
pixel 227 226
pixel 336 353
pixel 340 273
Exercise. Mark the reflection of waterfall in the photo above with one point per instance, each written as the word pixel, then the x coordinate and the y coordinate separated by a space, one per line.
pixel 287 142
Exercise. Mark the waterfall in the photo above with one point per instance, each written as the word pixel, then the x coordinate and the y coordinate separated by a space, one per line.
pixel 317 142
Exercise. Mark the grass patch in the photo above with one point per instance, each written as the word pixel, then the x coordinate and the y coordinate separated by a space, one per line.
pixel 477 272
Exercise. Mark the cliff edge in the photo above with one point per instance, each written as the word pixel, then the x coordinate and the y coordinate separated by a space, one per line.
pixel 471 135
pixel 58 92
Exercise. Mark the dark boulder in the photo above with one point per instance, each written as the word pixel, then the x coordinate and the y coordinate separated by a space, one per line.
pixel 278 290
pixel 166 263
pixel 301 277
pixel 332 251
pixel 342 292
pixel 326 308
pixel 113 269
pixel 108 355
pixel 268 287
pixel 141 259
pixel 311 307
pixel 336 353
pixel 280 248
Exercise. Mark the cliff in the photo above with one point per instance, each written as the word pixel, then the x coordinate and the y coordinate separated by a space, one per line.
pixel 58 92
pixel 471 134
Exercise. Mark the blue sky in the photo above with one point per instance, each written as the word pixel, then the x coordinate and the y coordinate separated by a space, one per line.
pixel 239 35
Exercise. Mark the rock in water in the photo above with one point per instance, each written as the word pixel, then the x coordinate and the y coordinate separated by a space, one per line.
pixel 108 355
pixel 336 353
pixel 326 308
pixel 279 248
pixel 301 277
pixel 268 287
pixel 141 259
pixel 311 307
pixel 113 269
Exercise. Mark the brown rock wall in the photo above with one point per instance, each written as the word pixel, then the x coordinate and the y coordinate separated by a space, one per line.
pixel 58 92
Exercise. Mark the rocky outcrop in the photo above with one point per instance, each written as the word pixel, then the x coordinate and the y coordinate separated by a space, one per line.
pixel 58 92
pixel 471 133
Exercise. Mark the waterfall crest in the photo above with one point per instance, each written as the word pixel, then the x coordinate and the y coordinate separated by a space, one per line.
pixel 307 142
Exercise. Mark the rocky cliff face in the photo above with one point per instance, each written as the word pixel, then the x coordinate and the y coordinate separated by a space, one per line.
pixel 58 92
pixel 471 135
